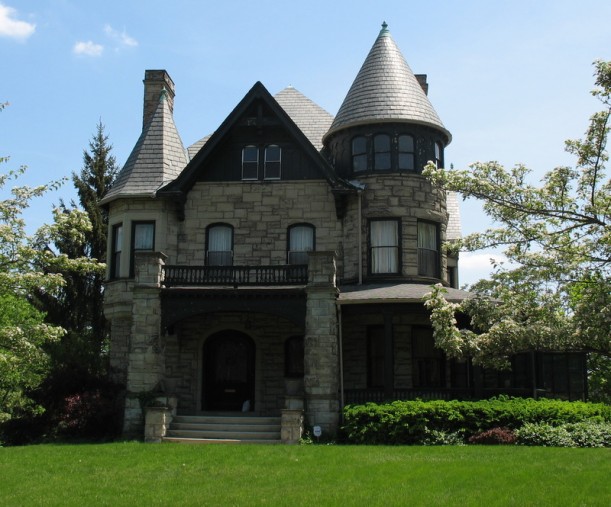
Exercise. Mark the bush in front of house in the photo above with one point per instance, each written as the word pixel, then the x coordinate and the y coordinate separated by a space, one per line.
pixel 580 434
pixel 411 422
pixel 494 436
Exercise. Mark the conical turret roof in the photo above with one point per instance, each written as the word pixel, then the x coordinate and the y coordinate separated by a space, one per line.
pixel 386 90
pixel 158 157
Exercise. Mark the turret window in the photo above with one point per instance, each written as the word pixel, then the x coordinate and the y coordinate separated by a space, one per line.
pixel 437 155
pixel 406 158
pixel 381 149
pixel 428 249
pixel 359 154
pixel 384 246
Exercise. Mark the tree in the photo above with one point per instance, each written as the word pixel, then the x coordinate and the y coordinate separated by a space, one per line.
pixel 81 232
pixel 556 294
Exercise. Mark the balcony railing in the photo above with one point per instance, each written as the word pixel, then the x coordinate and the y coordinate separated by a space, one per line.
pixel 235 275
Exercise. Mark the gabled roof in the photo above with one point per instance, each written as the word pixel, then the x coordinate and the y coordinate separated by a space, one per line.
pixel 386 90
pixel 312 119
pixel 157 158
pixel 187 178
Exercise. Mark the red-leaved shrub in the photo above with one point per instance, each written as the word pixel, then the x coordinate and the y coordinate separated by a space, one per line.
pixel 494 436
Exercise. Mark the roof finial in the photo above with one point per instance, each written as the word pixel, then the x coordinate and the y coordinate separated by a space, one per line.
pixel 385 29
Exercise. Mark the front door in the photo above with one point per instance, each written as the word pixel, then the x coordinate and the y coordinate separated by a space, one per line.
pixel 229 372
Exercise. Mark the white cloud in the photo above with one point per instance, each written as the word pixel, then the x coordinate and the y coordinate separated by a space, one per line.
pixel 120 37
pixel 88 48
pixel 13 28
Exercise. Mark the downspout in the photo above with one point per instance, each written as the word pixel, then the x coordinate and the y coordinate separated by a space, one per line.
pixel 341 363
pixel 360 236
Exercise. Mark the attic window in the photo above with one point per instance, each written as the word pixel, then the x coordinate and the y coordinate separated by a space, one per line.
pixel 273 156
pixel 250 163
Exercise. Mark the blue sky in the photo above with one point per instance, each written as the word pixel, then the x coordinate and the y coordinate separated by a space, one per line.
pixel 509 79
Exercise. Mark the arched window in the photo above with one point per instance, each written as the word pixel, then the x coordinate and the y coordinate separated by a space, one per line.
pixel 406 153
pixel 273 157
pixel 359 154
pixel 300 241
pixel 250 163
pixel 219 245
pixel 381 152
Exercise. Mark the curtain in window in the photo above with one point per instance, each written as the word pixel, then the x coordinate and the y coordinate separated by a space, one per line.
pixel 143 236
pixel 384 246
pixel 219 245
pixel 301 241
pixel 428 251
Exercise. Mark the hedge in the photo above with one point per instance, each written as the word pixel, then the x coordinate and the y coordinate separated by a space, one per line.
pixel 413 422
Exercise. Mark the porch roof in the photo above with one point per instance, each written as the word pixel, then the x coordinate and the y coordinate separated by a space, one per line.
pixel 394 293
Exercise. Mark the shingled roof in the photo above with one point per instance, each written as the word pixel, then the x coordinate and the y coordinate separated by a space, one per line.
pixel 386 90
pixel 157 158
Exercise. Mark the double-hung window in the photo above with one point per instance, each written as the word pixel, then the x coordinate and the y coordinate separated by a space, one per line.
pixel 143 240
pixel 406 157
pixel 300 242
pixel 250 163
pixel 220 245
pixel 272 163
pixel 117 248
pixel 359 154
pixel 428 249
pixel 381 152
pixel 384 246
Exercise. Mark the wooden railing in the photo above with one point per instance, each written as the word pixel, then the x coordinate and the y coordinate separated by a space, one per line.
pixel 235 275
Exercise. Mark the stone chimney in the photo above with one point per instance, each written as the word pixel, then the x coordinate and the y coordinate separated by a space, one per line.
pixel 154 82
pixel 422 82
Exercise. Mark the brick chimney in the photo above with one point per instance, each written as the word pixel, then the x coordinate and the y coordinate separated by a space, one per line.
pixel 422 82
pixel 154 82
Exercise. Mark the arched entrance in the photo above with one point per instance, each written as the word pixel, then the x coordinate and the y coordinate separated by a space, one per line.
pixel 229 372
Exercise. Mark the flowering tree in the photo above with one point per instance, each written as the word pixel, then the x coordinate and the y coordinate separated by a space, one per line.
pixel 558 237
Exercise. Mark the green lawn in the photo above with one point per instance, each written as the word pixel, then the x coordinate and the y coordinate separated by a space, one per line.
pixel 177 474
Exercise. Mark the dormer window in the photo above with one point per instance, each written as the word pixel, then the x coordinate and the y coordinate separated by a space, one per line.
pixel 381 152
pixel 406 157
pixel 272 163
pixel 250 163
pixel 359 154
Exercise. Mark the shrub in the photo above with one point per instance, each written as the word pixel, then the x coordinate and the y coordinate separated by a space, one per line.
pixel 437 437
pixel 581 434
pixel 494 436
pixel 92 414
pixel 410 422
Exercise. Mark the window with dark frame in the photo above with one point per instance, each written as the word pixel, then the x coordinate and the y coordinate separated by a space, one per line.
pixel 143 240
pixel 384 255
pixel 301 241
pixel 293 357
pixel 219 251
pixel 428 362
pixel 359 154
pixel 375 356
pixel 438 152
pixel 428 249
pixel 117 247
pixel 272 163
pixel 406 153
pixel 250 163
pixel 381 152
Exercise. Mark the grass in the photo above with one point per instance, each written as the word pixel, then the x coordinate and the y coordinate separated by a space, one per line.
pixel 173 474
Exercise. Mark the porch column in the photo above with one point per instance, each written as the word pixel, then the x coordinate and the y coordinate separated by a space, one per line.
pixel 146 365
pixel 321 378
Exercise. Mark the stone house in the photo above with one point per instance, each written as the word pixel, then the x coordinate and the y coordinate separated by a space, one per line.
pixel 277 266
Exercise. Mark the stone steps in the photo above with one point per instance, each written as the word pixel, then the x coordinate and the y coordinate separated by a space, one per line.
pixel 234 429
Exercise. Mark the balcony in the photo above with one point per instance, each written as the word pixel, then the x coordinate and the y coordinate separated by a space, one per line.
pixel 234 276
